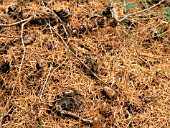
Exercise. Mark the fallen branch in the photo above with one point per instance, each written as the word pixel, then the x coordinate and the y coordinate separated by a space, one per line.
pixel 19 72
pixel 67 46
pixel 72 51
pixel 6 36
pixel 44 86
pixel 16 23
pixel 23 45
pixel 76 116
pixel 130 15
pixel 154 56
pixel 114 12
pixel 73 115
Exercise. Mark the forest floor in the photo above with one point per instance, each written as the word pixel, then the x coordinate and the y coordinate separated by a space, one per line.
pixel 68 64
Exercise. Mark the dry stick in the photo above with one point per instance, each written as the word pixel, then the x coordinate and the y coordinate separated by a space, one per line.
pixel 124 4
pixel 114 12
pixel 9 25
pixel 77 56
pixel 48 76
pixel 19 72
pixel 84 63
pixel 45 82
pixel 73 115
pixel 63 112
pixel 141 11
pixel 10 36
pixel 23 45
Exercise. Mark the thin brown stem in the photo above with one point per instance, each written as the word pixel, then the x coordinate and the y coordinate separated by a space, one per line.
pixel 16 23
pixel 130 15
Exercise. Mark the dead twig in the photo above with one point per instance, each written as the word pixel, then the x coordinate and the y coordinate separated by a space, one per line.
pixel 114 12
pixel 6 36
pixel 42 90
pixel 74 54
pixel 130 15
pixel 150 55
pixel 23 45
pixel 19 72
pixel 67 46
pixel 16 23
pixel 124 5
pixel 73 115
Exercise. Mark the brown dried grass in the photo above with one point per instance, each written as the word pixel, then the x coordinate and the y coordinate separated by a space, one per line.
pixel 138 63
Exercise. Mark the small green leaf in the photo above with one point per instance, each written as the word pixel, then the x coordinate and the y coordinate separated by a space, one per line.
pixel 125 20
pixel 13 96
pixel 146 3
pixel 168 18
pixel 126 35
pixel 126 2
pixel 127 10
pixel 162 69
pixel 68 50
pixel 166 10
pixel 39 121
pixel 133 5
pixel 130 6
